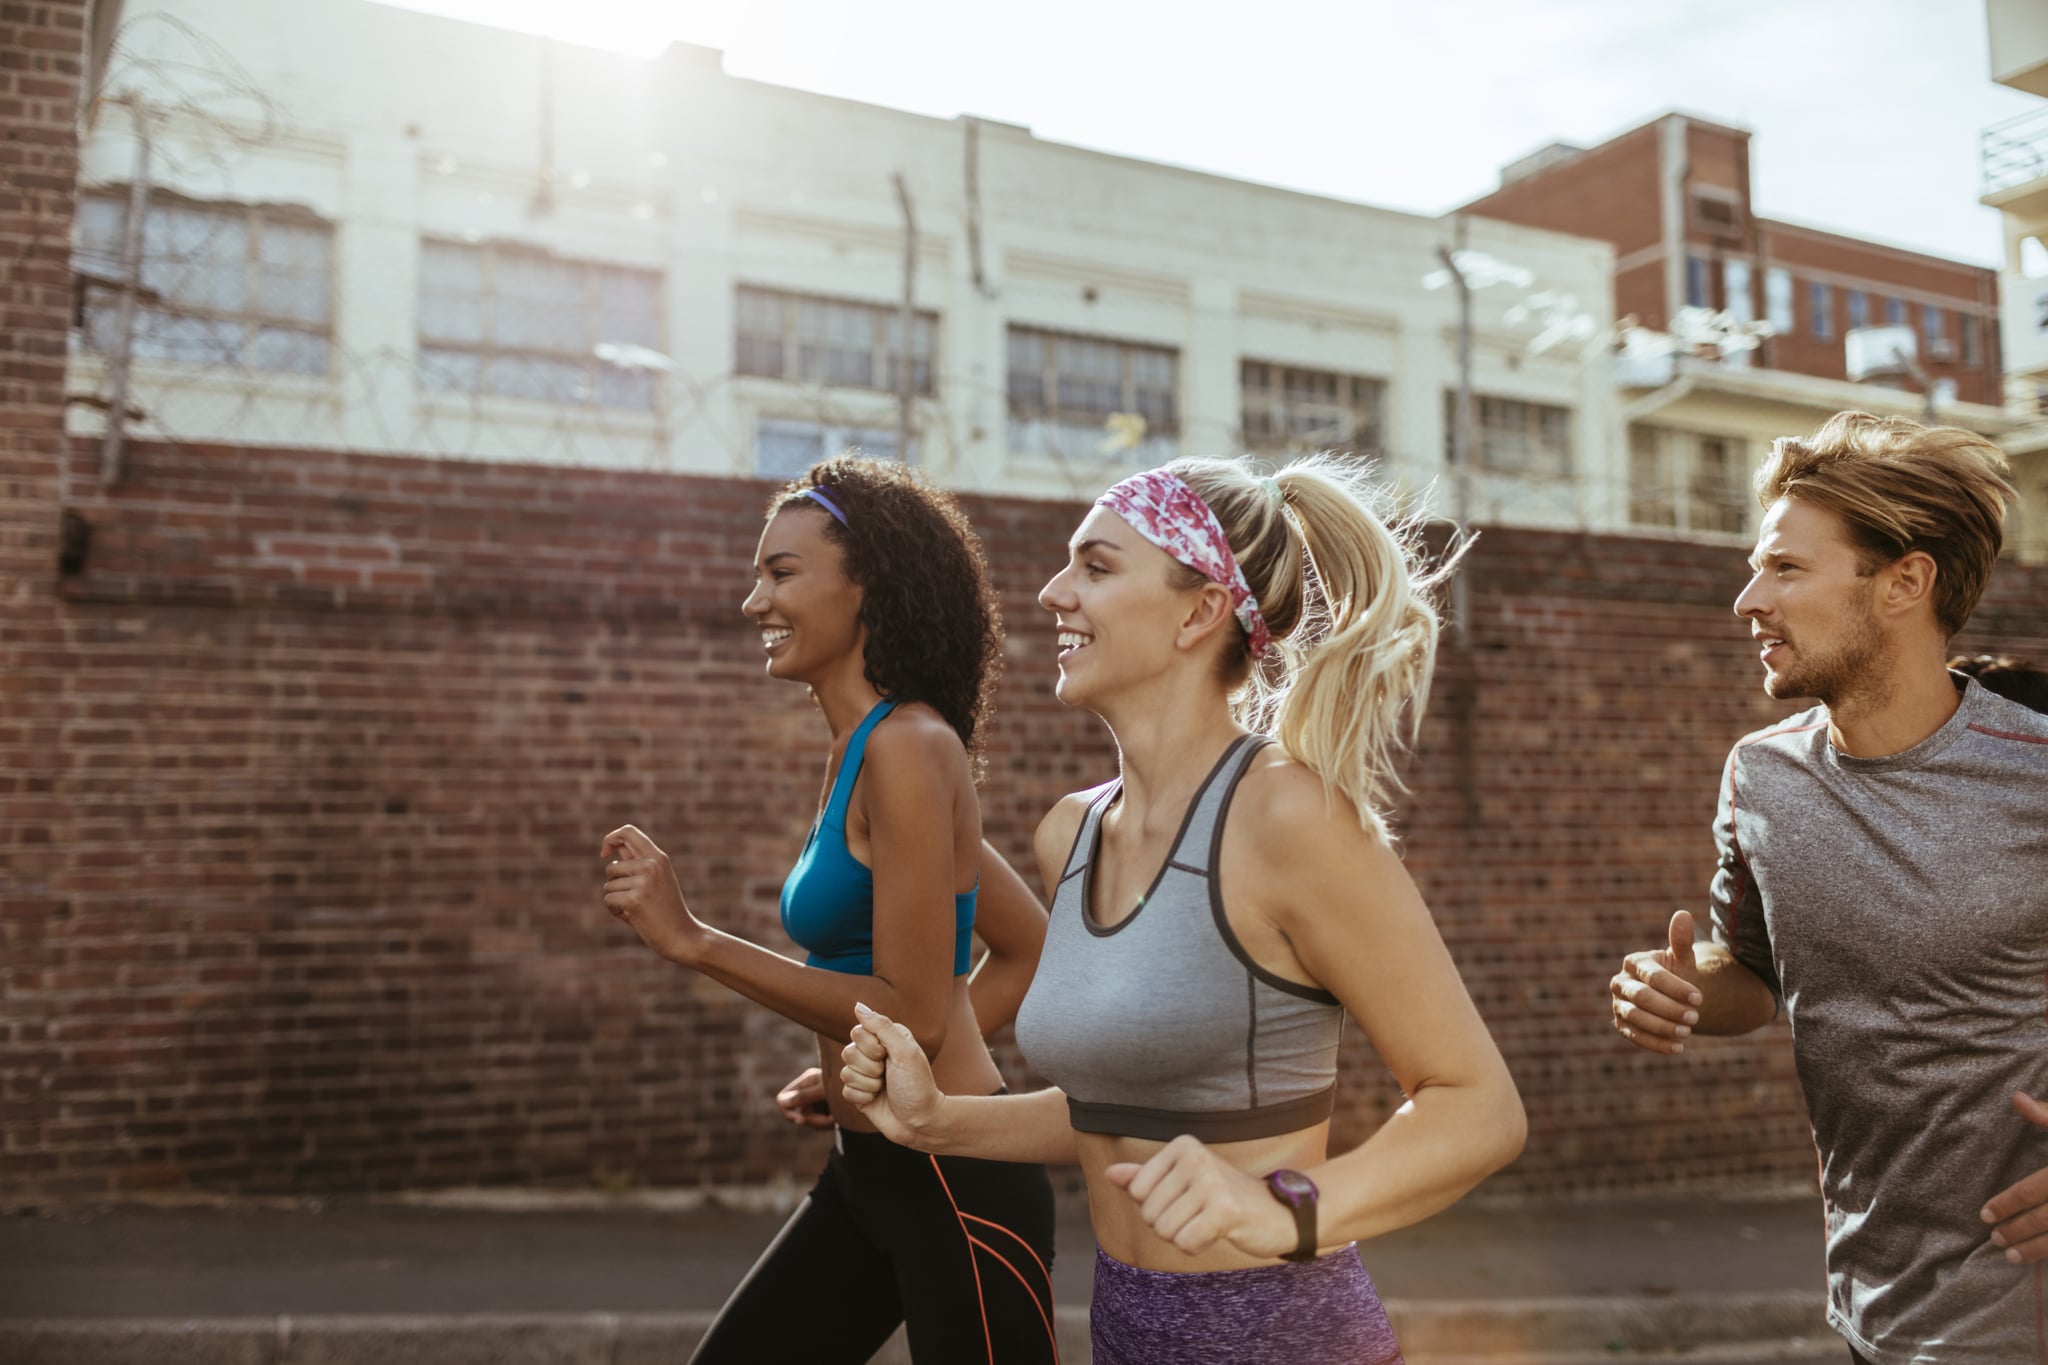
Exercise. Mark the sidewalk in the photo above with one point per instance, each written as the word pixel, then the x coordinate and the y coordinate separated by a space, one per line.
pixel 1606 1280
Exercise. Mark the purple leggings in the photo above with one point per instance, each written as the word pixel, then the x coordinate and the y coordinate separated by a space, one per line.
pixel 1324 1310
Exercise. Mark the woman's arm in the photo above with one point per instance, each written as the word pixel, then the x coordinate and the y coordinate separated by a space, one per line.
pixel 888 1079
pixel 904 779
pixel 1359 926
pixel 1012 923
pixel 1356 925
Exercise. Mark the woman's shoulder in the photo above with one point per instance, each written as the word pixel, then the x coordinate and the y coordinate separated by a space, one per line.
pixel 1056 832
pixel 914 735
pixel 1281 801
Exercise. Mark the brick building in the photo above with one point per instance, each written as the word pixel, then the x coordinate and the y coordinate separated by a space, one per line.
pixel 1673 197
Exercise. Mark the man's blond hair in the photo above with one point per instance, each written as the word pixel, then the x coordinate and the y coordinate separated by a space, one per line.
pixel 1901 487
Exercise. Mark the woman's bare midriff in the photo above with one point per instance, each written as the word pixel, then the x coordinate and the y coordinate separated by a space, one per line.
pixel 963 1066
pixel 1119 1228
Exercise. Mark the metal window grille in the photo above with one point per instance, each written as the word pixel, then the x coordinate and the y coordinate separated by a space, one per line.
pixel 834 342
pixel 1290 409
pixel 1509 436
pixel 224 284
pixel 517 322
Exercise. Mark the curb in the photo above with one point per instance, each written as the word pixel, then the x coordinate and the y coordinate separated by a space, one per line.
pixel 1476 1329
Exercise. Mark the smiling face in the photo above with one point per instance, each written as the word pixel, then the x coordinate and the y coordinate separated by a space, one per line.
pixel 808 610
pixel 1118 609
pixel 1812 611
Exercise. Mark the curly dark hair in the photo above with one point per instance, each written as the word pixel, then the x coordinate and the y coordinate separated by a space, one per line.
pixel 935 627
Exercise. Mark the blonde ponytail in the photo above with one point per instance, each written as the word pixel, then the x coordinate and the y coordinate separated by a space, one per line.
pixel 1340 579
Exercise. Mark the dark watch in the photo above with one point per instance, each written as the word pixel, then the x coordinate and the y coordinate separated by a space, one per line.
pixel 1297 1192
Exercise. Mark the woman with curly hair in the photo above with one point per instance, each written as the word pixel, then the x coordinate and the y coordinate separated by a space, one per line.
pixel 1260 648
pixel 871 591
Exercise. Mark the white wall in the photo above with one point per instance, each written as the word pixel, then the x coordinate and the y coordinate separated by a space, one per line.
pixel 397 125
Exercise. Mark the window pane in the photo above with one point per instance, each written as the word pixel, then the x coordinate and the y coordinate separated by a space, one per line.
pixel 783 450
pixel 617 388
pixel 1735 285
pixel 628 306
pixel 451 293
pixel 1651 500
pixel 102 228
pixel 1717 502
pixel 289 351
pixel 1778 298
pixel 1026 371
pixel 540 303
pixel 545 379
pixel 196 341
pixel 450 371
pixel 293 269
pixel 195 259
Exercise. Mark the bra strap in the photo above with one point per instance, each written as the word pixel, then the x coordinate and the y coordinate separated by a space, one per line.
pixel 849 766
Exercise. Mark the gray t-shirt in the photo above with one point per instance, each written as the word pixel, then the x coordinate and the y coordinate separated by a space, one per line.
pixel 1899 907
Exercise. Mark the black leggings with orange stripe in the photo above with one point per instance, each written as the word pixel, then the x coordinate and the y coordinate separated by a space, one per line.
pixel 957 1249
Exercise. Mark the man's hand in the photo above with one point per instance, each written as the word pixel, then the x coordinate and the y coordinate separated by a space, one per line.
pixel 2021 1209
pixel 888 1078
pixel 1657 993
pixel 1194 1199
pixel 802 1101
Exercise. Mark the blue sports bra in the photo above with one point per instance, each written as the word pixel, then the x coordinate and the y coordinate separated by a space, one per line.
pixel 828 901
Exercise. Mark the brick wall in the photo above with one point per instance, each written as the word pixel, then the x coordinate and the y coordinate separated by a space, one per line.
pixel 41 48
pixel 328 742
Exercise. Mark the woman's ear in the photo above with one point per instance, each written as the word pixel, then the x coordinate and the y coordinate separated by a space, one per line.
pixel 1208 612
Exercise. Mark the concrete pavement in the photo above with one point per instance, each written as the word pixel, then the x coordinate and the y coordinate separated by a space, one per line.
pixel 614 1280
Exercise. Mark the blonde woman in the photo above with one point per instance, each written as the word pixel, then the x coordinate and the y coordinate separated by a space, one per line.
pixel 1217 909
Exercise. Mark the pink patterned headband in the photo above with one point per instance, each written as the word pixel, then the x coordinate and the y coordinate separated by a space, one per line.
pixel 1165 511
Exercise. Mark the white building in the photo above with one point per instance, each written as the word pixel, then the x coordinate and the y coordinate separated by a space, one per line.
pixel 375 229
pixel 2015 165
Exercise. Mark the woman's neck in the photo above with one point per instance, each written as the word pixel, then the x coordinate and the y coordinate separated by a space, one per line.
pixel 1163 755
pixel 845 696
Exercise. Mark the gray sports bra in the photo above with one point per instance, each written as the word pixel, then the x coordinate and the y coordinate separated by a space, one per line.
pixel 1162 1024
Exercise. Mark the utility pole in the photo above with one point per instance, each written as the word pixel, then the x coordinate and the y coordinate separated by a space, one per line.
pixel 906 367
pixel 1461 430
pixel 118 360
pixel 1466 699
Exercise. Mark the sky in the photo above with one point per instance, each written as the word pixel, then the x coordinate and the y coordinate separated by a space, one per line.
pixel 1865 114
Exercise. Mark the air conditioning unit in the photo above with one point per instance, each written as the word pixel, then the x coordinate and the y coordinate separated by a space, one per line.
pixel 1880 352
pixel 1941 350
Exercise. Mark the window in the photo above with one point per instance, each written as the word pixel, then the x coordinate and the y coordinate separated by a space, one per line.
pixel 1859 309
pixel 1778 298
pixel 516 322
pixel 1735 288
pixel 1531 440
pixel 1291 409
pixel 1966 338
pixel 829 341
pixel 1895 312
pixel 1687 481
pixel 1930 327
pixel 785 449
pixel 1717 215
pixel 244 287
pixel 1698 287
pixel 1820 310
pixel 1064 389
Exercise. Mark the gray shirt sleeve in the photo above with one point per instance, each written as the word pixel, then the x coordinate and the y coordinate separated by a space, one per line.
pixel 1737 912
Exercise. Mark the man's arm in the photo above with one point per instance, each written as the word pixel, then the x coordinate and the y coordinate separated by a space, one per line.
pixel 1665 995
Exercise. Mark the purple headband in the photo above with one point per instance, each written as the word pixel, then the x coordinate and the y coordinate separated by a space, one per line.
pixel 1165 511
pixel 819 496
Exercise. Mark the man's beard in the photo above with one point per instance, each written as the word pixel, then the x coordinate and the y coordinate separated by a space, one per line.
pixel 1853 666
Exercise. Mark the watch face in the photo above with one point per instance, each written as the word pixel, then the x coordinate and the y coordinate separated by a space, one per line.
pixel 1292 1186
